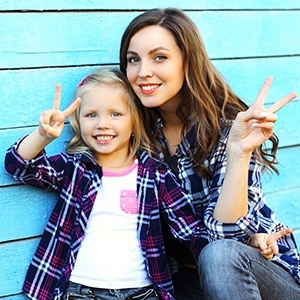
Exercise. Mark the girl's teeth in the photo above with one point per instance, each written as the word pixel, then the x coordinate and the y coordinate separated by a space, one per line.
pixel 104 138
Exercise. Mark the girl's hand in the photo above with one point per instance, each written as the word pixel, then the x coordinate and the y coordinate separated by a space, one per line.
pixel 254 126
pixel 267 243
pixel 51 121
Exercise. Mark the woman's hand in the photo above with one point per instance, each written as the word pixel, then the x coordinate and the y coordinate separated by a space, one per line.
pixel 51 121
pixel 267 243
pixel 254 126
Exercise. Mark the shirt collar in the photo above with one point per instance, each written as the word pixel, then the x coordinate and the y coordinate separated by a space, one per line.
pixel 187 144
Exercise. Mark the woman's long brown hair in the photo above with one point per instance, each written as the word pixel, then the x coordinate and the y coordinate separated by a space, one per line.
pixel 206 97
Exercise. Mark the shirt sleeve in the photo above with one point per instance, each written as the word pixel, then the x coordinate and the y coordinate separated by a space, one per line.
pixel 259 217
pixel 41 171
pixel 179 213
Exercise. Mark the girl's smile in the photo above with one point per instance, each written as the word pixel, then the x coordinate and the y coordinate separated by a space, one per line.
pixel 103 139
pixel 106 124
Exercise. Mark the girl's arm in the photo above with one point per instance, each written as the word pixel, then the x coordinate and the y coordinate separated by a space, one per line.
pixel 51 123
pixel 33 144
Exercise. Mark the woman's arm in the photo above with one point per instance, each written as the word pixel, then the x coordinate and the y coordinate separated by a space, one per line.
pixel 249 131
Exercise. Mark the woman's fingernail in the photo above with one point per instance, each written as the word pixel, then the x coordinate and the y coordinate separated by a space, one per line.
pixel 263 114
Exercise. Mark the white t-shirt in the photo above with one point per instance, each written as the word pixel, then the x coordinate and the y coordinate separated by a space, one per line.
pixel 110 255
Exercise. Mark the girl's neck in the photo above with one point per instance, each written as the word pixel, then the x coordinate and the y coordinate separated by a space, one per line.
pixel 115 165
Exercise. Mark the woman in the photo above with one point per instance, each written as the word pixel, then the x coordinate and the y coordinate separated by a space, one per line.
pixel 213 141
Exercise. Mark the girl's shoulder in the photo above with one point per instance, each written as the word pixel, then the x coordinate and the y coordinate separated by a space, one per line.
pixel 78 158
pixel 146 160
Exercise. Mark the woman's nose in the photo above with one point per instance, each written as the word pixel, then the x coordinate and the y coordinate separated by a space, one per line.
pixel 145 69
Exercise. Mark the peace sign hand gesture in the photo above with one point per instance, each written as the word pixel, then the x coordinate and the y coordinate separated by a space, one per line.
pixel 51 122
pixel 254 126
pixel 267 243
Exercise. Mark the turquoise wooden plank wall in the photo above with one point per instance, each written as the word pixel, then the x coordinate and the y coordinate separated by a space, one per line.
pixel 46 42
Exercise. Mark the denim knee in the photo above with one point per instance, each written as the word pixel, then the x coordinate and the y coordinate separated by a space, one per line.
pixel 222 254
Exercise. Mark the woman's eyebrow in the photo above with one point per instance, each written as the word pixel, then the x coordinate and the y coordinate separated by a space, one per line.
pixel 151 51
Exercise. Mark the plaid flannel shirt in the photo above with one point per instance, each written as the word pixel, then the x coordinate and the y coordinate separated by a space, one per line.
pixel 77 179
pixel 205 194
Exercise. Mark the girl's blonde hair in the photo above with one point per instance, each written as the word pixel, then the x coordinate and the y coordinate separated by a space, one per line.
pixel 112 77
pixel 207 100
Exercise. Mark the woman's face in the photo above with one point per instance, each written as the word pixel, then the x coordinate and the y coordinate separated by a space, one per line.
pixel 155 68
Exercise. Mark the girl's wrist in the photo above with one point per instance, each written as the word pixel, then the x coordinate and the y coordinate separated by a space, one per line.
pixel 43 134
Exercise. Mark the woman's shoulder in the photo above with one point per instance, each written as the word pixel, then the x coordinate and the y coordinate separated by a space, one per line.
pixel 225 125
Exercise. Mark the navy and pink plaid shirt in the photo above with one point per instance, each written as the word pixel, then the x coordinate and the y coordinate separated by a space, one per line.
pixel 77 179
pixel 205 194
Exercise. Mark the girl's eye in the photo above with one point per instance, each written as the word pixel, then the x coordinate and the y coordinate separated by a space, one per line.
pixel 132 60
pixel 91 115
pixel 115 114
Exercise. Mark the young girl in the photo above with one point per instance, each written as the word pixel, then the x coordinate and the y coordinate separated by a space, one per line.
pixel 213 141
pixel 103 239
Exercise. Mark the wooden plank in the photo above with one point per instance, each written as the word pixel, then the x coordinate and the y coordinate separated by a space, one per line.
pixel 36 39
pixel 38 97
pixel 35 88
pixel 287 126
pixel 289 169
pixel 24 210
pixel 143 4
pixel 286 205
pixel 296 233
pixel 247 29
pixel 31 207
pixel 14 260
pixel 237 34
pixel 19 296
pixel 246 76
pixel 288 157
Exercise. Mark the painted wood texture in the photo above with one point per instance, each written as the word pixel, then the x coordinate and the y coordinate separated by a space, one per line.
pixel 47 42
pixel 31 40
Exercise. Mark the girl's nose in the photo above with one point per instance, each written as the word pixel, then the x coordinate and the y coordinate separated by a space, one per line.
pixel 103 123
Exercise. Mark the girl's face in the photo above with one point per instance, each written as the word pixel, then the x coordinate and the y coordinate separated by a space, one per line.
pixel 155 68
pixel 106 123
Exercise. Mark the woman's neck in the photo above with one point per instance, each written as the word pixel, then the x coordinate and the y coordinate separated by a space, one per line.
pixel 172 129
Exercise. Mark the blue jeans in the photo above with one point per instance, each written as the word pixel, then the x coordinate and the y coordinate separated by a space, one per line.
pixel 186 284
pixel 230 270
pixel 76 291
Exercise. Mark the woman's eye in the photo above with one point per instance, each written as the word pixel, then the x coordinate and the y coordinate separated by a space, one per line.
pixel 160 57
pixel 132 60
pixel 115 114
